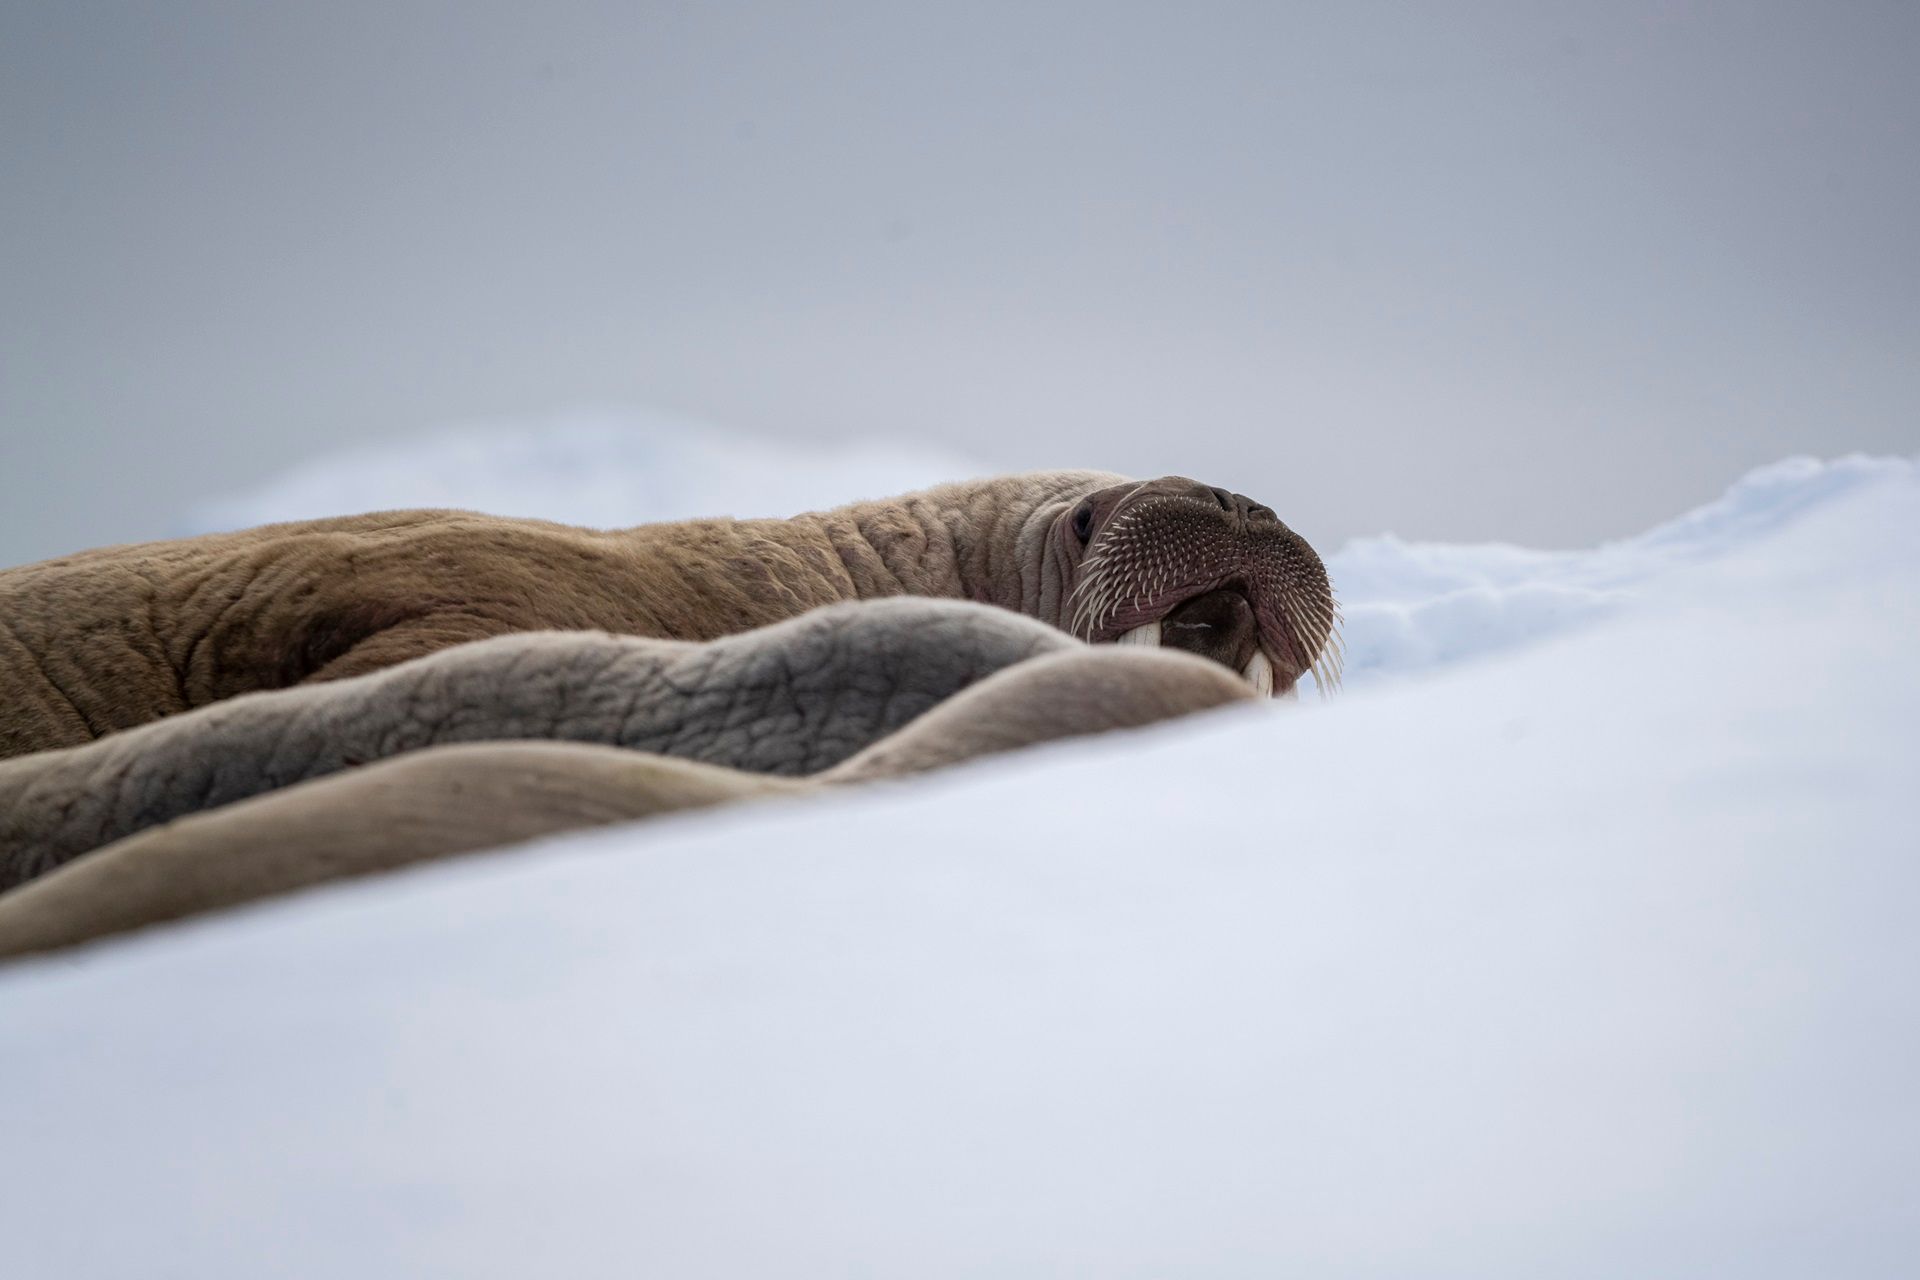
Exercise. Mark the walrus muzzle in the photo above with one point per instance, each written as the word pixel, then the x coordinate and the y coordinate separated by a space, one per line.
pixel 1176 563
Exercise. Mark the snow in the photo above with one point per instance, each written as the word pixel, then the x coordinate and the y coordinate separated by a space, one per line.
pixel 1411 607
pixel 1591 955
pixel 601 468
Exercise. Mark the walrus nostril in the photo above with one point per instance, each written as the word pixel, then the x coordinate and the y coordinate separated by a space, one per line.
pixel 1224 498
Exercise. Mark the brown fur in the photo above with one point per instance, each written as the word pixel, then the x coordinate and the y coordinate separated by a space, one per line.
pixel 113 638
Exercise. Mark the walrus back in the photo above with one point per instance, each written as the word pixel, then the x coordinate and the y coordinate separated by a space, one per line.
pixel 116 637
pixel 110 639
pixel 80 655
pixel 106 640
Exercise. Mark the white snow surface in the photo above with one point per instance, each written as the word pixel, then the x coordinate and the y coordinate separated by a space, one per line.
pixel 1592 957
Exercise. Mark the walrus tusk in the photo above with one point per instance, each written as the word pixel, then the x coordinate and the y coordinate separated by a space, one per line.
pixel 1147 634
pixel 1259 674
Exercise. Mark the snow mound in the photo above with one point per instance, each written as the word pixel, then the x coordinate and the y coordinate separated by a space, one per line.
pixel 1595 958
pixel 600 469
pixel 1411 607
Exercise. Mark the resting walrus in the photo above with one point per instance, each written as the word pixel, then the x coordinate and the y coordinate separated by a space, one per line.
pixel 434 801
pixel 790 699
pixel 110 639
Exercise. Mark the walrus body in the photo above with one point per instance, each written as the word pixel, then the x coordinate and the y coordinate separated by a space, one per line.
pixel 445 800
pixel 790 699
pixel 108 640
pixel 419 807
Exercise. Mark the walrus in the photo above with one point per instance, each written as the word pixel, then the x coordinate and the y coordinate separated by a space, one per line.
pixel 789 699
pixel 441 801
pixel 111 639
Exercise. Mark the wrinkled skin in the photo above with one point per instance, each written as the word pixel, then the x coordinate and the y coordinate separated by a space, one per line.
pixel 791 699
pixel 282 656
pixel 441 800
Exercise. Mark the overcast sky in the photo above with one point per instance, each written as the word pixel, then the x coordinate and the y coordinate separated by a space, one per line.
pixel 1537 272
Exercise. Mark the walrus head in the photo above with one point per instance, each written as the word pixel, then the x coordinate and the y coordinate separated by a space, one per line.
pixel 1184 565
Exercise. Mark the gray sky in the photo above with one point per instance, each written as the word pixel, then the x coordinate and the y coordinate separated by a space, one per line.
pixel 1538 272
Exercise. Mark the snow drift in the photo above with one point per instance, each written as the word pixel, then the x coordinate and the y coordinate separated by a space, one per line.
pixel 602 469
pixel 1590 957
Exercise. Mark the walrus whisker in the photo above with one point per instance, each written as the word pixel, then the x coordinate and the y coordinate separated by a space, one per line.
pixel 1086 618
pixel 1331 663
pixel 1319 639
pixel 1327 663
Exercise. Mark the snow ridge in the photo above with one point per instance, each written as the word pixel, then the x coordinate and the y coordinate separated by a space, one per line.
pixel 1413 607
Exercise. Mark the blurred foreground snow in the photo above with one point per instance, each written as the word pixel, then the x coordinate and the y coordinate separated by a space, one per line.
pixel 1593 959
